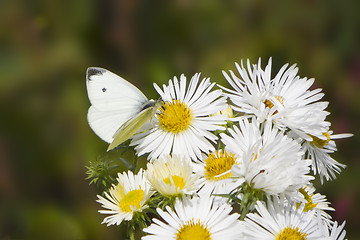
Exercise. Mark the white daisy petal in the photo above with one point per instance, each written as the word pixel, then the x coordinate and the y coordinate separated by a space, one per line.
pixel 319 149
pixel 334 232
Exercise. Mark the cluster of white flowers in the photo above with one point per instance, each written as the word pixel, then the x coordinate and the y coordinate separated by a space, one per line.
pixel 232 163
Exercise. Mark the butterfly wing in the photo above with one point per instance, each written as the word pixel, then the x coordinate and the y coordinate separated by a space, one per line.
pixel 129 128
pixel 114 101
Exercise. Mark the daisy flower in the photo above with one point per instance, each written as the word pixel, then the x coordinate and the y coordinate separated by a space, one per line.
pixel 270 161
pixel 285 99
pixel 280 220
pixel 318 150
pixel 172 176
pixel 215 169
pixel 184 125
pixel 195 218
pixel 126 198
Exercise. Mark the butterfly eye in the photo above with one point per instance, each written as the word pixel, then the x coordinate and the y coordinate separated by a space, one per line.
pixel 104 89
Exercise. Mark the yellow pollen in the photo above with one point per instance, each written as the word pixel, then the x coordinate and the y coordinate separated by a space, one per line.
pixel 175 116
pixel 280 99
pixel 319 142
pixel 268 103
pixel 291 233
pixel 192 230
pixel 309 205
pixel 132 198
pixel 178 182
pixel 254 156
pixel 218 163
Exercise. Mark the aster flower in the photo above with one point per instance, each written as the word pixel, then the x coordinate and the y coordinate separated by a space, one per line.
pixel 195 218
pixel 172 176
pixel 281 220
pixel 270 161
pixel 318 150
pixel 285 100
pixel 184 125
pixel 313 201
pixel 126 198
pixel 215 169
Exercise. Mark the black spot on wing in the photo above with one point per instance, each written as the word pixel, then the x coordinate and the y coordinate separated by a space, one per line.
pixel 103 89
pixel 91 71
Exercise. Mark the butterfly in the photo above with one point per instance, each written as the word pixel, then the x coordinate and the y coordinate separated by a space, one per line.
pixel 118 109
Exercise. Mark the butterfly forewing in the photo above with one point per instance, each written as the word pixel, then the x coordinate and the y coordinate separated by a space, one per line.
pixel 114 101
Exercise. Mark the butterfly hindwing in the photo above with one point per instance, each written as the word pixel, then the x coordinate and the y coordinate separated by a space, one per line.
pixel 128 129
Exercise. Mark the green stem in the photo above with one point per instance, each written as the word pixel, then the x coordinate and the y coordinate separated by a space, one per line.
pixel 244 211
pixel 132 237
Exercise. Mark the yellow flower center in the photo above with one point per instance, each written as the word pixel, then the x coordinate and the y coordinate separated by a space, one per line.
pixel 132 198
pixel 193 231
pixel 175 116
pixel 218 163
pixel 176 180
pixel 309 203
pixel 291 233
pixel 270 104
pixel 319 142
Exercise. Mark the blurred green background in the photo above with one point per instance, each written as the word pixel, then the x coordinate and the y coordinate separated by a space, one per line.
pixel 46 46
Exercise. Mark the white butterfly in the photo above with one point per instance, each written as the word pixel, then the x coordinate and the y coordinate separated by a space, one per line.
pixel 118 108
